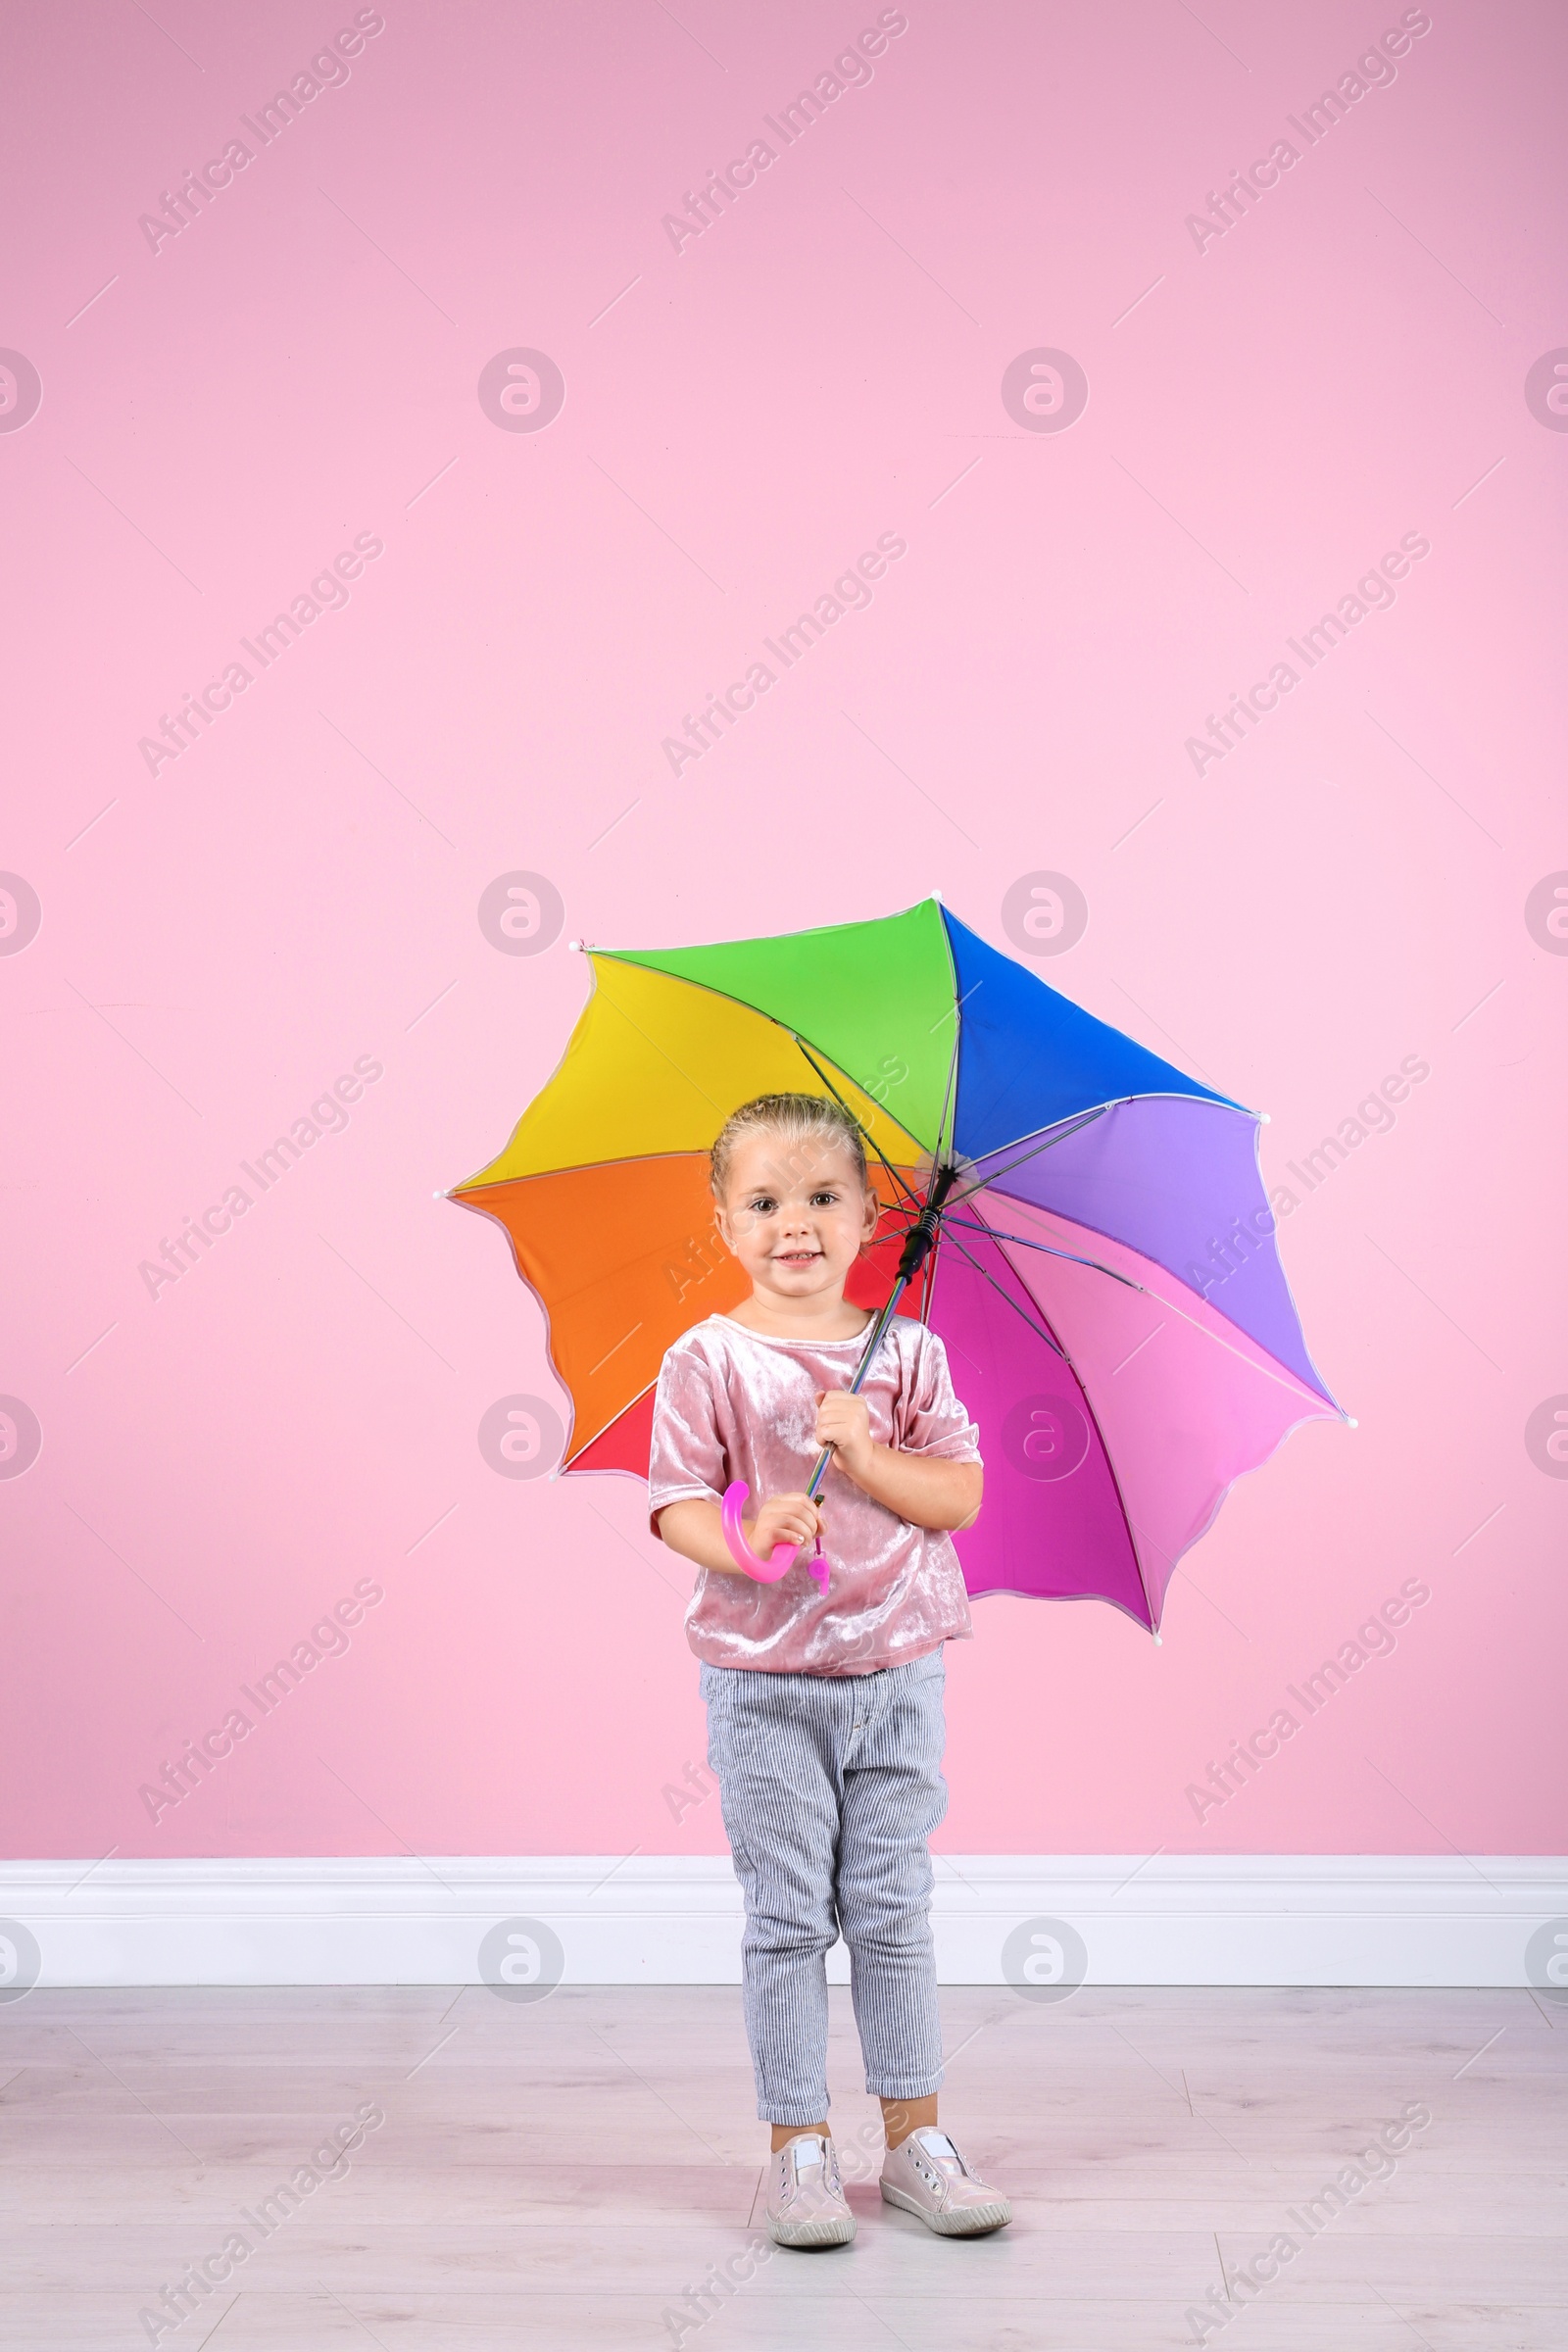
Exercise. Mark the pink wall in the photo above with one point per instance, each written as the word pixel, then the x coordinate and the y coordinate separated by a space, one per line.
pixel 1269 411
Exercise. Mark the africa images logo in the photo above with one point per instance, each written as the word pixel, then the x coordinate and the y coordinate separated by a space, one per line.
pixel 1045 1436
pixel 521 390
pixel 20 391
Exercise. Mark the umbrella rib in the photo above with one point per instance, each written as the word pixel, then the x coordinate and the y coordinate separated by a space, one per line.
pixel 1222 1102
pixel 1151 1613
pixel 1040 1330
pixel 575 1452
pixel 994 1232
pixel 952 1065
pixel 978 1225
pixel 1282 1375
pixel 957 1033
pixel 1049 1145
pixel 1285 1378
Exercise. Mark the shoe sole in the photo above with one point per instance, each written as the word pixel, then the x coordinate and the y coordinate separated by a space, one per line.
pixel 828 2232
pixel 970 2221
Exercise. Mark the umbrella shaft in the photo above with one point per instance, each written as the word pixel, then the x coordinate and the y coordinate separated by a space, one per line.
pixel 872 1344
pixel 913 1255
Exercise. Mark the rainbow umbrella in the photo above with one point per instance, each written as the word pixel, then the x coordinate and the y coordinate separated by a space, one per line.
pixel 1102 1262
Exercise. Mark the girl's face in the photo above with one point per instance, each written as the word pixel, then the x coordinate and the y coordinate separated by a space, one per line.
pixel 796 1214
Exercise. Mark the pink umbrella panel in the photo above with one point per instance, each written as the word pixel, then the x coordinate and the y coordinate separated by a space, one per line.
pixel 1117 1414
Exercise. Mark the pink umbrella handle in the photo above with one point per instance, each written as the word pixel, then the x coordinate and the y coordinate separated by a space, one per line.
pixel 766 1572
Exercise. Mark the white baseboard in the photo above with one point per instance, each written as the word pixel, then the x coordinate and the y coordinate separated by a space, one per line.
pixel 662 1920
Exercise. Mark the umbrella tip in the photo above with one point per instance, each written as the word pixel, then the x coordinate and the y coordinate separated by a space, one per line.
pixel 1350 1421
pixel 574 944
pixel 1159 1640
pixel 1263 1120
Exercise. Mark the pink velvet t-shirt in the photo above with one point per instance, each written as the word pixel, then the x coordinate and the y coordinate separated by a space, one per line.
pixel 737 1403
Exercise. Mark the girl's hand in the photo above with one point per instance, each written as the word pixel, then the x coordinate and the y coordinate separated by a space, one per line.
pixel 843 1422
pixel 783 1519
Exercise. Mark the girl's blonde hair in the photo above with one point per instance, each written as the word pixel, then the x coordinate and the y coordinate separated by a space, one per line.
pixel 798 1120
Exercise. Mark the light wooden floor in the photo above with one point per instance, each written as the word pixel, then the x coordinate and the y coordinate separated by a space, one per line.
pixel 561 2175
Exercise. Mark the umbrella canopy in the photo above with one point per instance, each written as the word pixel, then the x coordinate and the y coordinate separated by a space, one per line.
pixel 1105 1276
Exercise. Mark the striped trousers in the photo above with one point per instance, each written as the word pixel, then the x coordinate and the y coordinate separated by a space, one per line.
pixel 830 1786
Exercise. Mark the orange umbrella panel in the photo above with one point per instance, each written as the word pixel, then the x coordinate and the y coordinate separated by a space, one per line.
pixel 624 1257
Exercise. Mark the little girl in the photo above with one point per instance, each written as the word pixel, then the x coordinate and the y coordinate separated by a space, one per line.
pixel 824 1709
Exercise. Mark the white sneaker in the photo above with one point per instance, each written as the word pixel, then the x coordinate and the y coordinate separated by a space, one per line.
pixel 926 2175
pixel 806 2205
